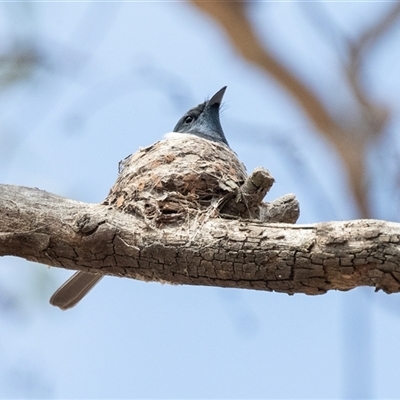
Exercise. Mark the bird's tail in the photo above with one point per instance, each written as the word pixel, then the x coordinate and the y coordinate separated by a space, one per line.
pixel 74 289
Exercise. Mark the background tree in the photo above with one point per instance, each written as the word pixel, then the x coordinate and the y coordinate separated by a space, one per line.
pixel 86 84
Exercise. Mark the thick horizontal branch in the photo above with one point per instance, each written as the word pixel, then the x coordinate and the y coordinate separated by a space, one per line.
pixel 311 259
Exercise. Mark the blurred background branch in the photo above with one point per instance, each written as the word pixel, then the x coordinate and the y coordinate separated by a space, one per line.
pixel 351 138
pixel 312 95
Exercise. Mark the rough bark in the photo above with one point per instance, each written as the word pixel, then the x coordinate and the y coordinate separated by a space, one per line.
pixel 312 259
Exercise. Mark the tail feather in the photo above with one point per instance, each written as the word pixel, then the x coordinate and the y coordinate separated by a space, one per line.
pixel 74 290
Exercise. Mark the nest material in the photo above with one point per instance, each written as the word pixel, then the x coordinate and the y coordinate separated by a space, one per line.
pixel 175 178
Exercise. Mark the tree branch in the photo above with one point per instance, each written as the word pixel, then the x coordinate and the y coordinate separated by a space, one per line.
pixel 312 259
pixel 349 139
pixel 232 17
pixel 349 144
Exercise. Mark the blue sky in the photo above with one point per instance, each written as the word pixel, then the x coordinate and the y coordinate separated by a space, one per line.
pixel 112 77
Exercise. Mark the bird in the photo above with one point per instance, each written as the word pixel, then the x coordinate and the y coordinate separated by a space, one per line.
pixel 201 121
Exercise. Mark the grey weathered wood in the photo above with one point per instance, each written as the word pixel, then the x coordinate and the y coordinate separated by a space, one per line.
pixel 42 227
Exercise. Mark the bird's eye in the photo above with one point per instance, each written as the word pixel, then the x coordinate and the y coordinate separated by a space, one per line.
pixel 189 119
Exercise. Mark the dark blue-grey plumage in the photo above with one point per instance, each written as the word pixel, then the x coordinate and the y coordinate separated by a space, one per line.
pixel 203 120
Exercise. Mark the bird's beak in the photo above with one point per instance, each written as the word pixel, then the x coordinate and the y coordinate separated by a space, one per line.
pixel 217 98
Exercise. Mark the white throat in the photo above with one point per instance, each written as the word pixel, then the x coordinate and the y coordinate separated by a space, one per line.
pixel 178 135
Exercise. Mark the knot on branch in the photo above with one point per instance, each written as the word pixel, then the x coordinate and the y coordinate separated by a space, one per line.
pixel 87 223
pixel 183 177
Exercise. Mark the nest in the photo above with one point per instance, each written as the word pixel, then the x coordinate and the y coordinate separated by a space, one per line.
pixel 177 178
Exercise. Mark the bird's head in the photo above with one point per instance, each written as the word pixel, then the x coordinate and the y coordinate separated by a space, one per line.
pixel 203 120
